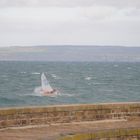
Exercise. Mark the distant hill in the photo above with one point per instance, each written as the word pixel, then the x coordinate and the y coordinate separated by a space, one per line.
pixel 70 53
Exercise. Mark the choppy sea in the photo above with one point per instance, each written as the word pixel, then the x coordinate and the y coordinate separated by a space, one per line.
pixel 77 82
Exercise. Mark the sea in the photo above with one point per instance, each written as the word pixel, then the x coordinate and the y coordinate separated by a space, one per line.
pixel 77 82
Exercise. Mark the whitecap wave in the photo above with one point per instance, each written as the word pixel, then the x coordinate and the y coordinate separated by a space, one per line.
pixel 23 72
pixel 88 78
pixel 115 65
pixel 37 90
pixel 68 95
pixel 35 73
pixel 55 76
pixel 129 68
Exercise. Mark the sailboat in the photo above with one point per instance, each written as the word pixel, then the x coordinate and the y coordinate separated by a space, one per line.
pixel 46 88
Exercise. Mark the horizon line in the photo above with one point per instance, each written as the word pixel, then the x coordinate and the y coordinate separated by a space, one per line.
pixel 41 45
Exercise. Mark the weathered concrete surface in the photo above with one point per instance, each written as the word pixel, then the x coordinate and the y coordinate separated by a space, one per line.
pixel 66 119
pixel 13 117
pixel 54 132
pixel 112 134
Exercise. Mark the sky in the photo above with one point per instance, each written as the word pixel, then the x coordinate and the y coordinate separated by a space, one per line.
pixel 69 22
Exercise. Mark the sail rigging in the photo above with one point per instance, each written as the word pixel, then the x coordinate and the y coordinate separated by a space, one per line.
pixel 45 84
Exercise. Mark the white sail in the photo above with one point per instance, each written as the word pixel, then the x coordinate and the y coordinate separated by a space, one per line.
pixel 45 84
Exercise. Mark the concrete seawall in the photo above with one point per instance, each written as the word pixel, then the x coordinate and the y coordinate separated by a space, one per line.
pixel 15 117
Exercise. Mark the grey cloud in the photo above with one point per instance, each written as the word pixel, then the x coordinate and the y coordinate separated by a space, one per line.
pixel 68 3
pixel 28 22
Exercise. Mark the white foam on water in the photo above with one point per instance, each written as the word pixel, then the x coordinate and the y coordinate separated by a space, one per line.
pixel 35 73
pixel 129 68
pixel 115 65
pixel 31 94
pixel 36 92
pixel 67 94
pixel 88 78
pixel 23 72
pixel 55 76
pixel 89 83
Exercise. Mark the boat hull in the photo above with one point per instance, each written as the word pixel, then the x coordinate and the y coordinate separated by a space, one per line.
pixel 51 94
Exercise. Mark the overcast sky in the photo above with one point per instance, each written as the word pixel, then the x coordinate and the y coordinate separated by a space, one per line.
pixel 77 22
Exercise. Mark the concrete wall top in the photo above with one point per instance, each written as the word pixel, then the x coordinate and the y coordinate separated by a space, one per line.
pixel 73 107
